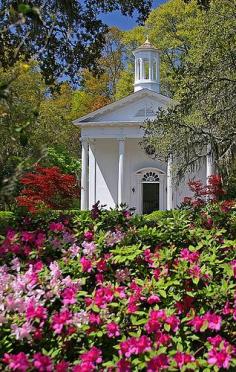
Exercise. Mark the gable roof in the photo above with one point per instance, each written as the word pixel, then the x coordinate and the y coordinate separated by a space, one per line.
pixel 117 104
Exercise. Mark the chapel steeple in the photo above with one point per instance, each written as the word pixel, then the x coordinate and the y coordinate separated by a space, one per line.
pixel 147 67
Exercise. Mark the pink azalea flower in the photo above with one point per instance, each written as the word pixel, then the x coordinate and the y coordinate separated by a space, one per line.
pixel 24 331
pixel 42 363
pixel 103 296
pixel 84 367
pixel 101 265
pixel 187 255
pixel 89 248
pixel 95 319
pixel 158 363
pixel 86 265
pixel 219 358
pixel 36 312
pixel 214 321
pixel 99 278
pixel 124 366
pixel 88 235
pixel 69 296
pixel 183 358
pixel 56 226
pixel 59 320
pixel 27 236
pixel 113 330
pixel 216 340
pixel 135 346
pixel 157 273
pixel 174 322
pixel 62 366
pixel 162 339
pixel 156 317
pixel 18 362
pixel 153 299
pixel 94 355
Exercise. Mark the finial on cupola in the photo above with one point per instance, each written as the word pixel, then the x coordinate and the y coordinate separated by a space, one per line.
pixel 147 67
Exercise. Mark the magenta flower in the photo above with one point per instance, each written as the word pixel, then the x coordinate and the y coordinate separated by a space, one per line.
pixel 18 362
pixel 174 322
pixel 219 358
pixel 86 265
pixel 88 235
pixel 95 319
pixel 183 358
pixel 216 340
pixel 101 265
pixel 36 312
pixel 56 226
pixel 158 363
pixel 124 366
pixel 135 346
pixel 153 299
pixel 189 256
pixel 69 296
pixel 84 367
pixel 59 320
pixel 211 321
pixel 214 321
pixel 62 366
pixel 113 330
pixel 42 363
pixel 156 317
pixel 27 236
pixel 94 355
pixel 162 339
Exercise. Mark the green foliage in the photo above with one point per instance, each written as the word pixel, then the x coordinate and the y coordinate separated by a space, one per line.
pixel 205 91
pixel 6 220
pixel 63 36
pixel 60 158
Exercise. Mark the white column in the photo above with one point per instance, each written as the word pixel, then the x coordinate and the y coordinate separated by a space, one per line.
pixel 84 175
pixel 141 69
pixel 92 173
pixel 121 171
pixel 169 182
pixel 209 163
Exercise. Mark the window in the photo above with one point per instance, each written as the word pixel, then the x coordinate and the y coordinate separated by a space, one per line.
pixel 150 177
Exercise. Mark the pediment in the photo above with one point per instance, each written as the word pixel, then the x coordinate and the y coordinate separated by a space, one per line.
pixel 137 107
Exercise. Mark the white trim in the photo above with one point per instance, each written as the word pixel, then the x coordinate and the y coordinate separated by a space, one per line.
pixel 162 188
pixel 132 97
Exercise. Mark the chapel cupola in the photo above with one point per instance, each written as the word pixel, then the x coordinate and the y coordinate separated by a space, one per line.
pixel 147 67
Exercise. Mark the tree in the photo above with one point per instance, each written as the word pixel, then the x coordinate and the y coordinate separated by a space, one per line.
pixel 206 109
pixel 47 187
pixel 97 91
pixel 63 36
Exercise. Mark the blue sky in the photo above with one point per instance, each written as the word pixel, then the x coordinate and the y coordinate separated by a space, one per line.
pixel 124 23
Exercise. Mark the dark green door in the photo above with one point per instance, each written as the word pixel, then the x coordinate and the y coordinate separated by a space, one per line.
pixel 150 197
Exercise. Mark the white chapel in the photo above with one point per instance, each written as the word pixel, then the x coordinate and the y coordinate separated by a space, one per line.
pixel 115 168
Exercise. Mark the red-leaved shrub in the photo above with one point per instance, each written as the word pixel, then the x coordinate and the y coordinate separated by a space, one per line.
pixel 47 187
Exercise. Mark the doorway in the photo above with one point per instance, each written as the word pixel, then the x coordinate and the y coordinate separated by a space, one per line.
pixel 151 197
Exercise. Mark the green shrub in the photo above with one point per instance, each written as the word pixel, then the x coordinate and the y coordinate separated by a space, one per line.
pixel 6 219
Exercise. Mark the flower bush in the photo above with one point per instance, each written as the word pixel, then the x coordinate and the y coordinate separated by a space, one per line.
pixel 109 291
pixel 47 188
